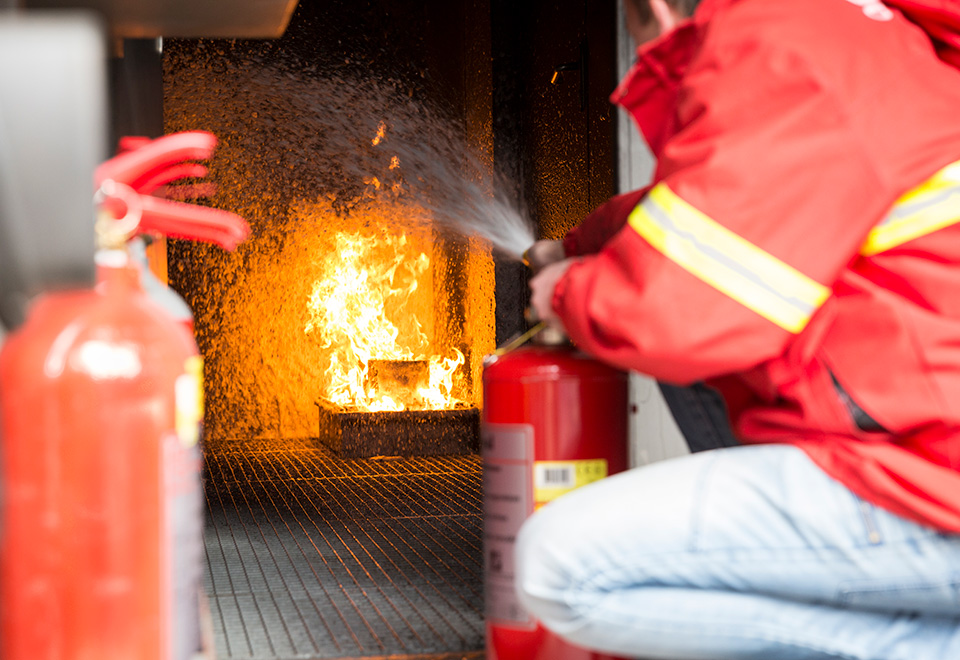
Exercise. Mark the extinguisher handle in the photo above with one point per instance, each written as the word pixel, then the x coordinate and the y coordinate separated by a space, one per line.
pixel 131 142
pixel 151 181
pixel 199 223
pixel 144 166
pixel 146 157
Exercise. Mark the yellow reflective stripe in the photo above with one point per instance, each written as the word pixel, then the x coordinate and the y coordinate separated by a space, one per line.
pixel 933 205
pixel 727 262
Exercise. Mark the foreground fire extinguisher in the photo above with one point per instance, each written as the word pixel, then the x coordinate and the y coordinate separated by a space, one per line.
pixel 100 413
pixel 554 419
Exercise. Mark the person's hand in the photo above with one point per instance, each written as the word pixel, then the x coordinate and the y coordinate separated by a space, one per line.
pixel 543 253
pixel 541 291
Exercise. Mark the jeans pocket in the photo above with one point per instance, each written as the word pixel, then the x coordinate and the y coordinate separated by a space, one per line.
pixel 909 571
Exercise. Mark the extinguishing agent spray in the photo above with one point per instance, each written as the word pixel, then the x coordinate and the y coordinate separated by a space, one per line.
pixel 554 419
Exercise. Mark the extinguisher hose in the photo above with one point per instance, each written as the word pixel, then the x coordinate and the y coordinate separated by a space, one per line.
pixel 520 340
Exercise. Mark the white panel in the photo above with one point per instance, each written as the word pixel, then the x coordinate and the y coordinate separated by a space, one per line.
pixel 53 116
pixel 654 435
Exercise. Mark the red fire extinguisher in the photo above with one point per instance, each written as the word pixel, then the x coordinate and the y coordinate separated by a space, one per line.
pixel 100 412
pixel 554 419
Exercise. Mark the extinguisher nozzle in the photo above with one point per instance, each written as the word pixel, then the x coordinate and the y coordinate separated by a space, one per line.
pixel 525 257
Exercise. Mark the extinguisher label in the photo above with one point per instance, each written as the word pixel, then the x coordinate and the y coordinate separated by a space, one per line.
pixel 182 466
pixel 507 502
pixel 189 401
pixel 183 506
pixel 551 479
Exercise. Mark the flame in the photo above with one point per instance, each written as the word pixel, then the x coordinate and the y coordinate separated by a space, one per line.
pixel 381 133
pixel 360 308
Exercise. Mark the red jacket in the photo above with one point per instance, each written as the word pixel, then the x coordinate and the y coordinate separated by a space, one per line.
pixel 801 240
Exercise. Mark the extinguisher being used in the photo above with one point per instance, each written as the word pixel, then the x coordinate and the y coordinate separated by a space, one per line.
pixel 101 406
pixel 554 419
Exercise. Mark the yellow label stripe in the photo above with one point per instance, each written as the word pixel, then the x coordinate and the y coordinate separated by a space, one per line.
pixel 727 262
pixel 551 479
pixel 931 206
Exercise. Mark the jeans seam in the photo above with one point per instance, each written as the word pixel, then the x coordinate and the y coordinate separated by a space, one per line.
pixel 698 510
pixel 588 583
pixel 847 590
pixel 721 630
pixel 874 537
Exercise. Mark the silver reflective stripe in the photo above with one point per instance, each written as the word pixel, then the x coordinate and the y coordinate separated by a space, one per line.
pixel 931 206
pixel 727 262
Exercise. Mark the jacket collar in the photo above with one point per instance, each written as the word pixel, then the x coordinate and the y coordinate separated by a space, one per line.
pixel 649 89
pixel 938 18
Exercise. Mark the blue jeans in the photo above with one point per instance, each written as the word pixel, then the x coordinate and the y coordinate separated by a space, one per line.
pixel 746 552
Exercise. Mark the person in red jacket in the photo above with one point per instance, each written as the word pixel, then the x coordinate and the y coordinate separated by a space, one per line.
pixel 798 250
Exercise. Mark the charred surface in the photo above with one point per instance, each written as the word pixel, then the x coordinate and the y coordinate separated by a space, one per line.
pixel 403 433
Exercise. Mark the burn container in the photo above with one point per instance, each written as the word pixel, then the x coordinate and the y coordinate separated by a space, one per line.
pixel 553 419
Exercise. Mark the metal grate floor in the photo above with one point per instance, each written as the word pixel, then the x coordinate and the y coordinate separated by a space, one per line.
pixel 310 557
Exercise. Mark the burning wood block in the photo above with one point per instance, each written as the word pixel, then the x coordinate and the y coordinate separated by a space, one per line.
pixel 399 379
pixel 402 433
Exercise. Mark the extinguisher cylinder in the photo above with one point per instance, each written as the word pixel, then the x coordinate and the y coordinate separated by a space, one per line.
pixel 554 419
pixel 99 430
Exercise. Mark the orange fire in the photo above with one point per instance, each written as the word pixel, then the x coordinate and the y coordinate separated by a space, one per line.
pixel 364 307
pixel 381 133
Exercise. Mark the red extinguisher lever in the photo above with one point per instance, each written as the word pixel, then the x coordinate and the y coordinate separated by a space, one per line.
pixel 146 166
pixel 146 157
pixel 153 180
pixel 197 223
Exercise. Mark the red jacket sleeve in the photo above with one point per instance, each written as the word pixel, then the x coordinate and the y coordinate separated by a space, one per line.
pixel 598 227
pixel 763 195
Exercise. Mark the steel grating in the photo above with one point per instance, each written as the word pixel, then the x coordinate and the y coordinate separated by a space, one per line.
pixel 310 556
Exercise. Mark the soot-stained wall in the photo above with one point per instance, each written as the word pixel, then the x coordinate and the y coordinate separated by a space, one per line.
pixel 295 118
pixel 465 89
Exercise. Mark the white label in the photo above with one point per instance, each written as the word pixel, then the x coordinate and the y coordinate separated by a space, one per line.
pixel 184 544
pixel 507 502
